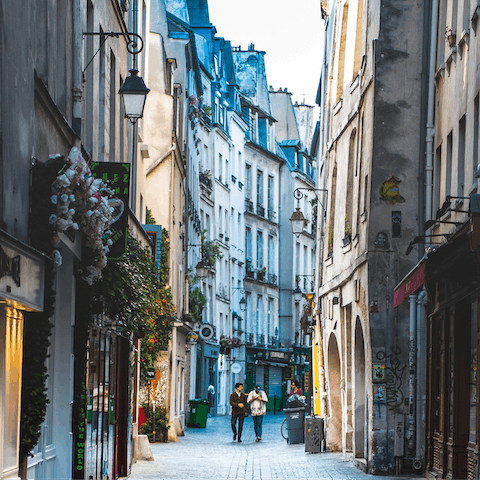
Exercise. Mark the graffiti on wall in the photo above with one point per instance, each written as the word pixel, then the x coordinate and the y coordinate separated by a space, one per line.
pixel 393 377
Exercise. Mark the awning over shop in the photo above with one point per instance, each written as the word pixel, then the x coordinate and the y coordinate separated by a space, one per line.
pixel 411 282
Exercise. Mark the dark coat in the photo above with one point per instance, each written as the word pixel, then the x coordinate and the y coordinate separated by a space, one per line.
pixel 235 399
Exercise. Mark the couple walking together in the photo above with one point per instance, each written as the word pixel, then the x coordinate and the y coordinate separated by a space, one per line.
pixel 257 399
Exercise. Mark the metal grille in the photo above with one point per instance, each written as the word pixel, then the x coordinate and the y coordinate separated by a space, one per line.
pixel 436 456
pixel 471 468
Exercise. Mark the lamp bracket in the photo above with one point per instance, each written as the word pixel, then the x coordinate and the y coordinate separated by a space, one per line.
pixel 134 44
pixel 298 194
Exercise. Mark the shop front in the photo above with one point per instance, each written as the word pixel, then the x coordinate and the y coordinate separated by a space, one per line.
pixel 453 283
pixel 21 291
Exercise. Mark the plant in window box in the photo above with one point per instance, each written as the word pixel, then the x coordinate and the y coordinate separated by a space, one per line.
pixel 210 249
pixel 348 232
pixel 262 273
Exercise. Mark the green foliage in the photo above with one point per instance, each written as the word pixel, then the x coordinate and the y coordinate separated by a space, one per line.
pixel 149 217
pixel 161 419
pixel 164 258
pixel 196 303
pixel 210 249
pixel 133 293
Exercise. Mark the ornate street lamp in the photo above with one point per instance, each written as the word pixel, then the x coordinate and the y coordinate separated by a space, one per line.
pixel 202 269
pixel 297 294
pixel 134 93
pixel 243 304
pixel 299 222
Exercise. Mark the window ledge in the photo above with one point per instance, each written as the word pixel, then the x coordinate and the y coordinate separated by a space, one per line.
pixel 337 107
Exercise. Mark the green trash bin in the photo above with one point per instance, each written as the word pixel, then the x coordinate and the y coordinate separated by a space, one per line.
pixel 198 412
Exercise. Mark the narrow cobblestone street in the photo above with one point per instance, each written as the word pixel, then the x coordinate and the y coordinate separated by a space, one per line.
pixel 211 454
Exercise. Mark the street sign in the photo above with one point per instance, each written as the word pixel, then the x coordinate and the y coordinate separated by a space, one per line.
pixel 236 368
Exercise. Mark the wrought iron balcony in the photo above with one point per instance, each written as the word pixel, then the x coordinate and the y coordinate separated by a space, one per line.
pixel 272 215
pixel 248 205
pixel 260 210
pixel 272 278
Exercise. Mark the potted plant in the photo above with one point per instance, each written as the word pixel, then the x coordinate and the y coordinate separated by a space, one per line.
pixel 451 37
pixel 160 426
pixel 262 273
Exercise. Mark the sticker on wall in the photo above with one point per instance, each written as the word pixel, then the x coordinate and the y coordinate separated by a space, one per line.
pixel 390 191
pixel 378 372
pixel 380 394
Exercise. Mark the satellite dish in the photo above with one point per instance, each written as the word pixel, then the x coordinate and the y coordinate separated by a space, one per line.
pixel 206 332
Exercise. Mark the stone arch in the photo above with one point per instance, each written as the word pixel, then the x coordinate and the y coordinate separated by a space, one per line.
pixel 360 393
pixel 335 421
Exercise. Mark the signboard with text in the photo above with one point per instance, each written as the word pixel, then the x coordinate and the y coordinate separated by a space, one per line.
pixel 117 177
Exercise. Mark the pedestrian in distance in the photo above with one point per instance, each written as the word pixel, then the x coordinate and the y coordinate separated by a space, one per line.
pixel 238 401
pixel 257 399
pixel 296 390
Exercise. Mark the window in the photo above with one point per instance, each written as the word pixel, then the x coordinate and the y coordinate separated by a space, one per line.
pixel 259 187
pixel 448 177
pixel 260 263
pixel 269 317
pixel 259 315
pixel 270 193
pixel 349 187
pixel 437 171
pixel 220 167
pixel 248 181
pixel 248 244
pixel 271 256
pixel 476 132
pixel 262 132
pixel 461 158
pixel 341 59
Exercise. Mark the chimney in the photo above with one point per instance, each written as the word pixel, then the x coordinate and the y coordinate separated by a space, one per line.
pixel 251 47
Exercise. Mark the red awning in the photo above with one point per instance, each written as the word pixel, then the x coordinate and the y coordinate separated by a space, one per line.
pixel 412 282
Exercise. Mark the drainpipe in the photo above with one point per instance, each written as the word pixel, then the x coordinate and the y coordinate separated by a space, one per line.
pixel 430 114
pixel 421 393
pixel 77 67
pixel 410 434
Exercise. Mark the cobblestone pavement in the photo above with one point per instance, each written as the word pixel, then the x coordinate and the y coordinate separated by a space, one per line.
pixel 211 453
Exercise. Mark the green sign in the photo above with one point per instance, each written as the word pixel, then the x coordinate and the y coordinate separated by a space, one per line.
pixel 117 177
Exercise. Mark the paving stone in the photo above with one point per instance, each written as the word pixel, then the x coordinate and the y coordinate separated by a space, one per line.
pixel 210 453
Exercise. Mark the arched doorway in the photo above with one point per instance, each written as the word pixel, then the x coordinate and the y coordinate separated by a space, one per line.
pixel 360 398
pixel 335 421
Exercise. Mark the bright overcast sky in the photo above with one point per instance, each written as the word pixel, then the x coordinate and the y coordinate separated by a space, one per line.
pixel 290 32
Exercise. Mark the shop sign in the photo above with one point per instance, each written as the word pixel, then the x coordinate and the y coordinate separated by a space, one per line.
pixel 117 176
pixel 410 284
pixel 21 274
pixel 150 373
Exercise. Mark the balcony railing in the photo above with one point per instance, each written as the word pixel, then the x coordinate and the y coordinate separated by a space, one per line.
pixel 260 210
pixel 248 205
pixel 249 338
pixel 272 278
pixel 261 339
pixel 272 340
pixel 205 180
pixel 272 215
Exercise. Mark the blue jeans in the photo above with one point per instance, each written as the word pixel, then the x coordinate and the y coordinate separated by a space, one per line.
pixel 257 424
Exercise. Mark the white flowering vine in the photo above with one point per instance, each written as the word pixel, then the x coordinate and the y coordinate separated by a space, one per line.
pixel 82 203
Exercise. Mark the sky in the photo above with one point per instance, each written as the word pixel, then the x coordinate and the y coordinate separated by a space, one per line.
pixel 289 31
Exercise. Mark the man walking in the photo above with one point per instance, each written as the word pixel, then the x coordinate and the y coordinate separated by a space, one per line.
pixel 238 401
pixel 258 399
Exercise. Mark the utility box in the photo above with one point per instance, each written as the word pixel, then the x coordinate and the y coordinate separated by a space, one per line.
pixel 314 434
pixel 399 442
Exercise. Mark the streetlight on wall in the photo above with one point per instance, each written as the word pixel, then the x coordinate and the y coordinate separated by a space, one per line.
pixel 298 220
pixel 134 93
pixel 297 294
pixel 243 301
pixel 202 269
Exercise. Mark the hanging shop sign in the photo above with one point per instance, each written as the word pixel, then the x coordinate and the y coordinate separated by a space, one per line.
pixel 412 282
pixel 155 234
pixel 117 176
pixel 21 274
